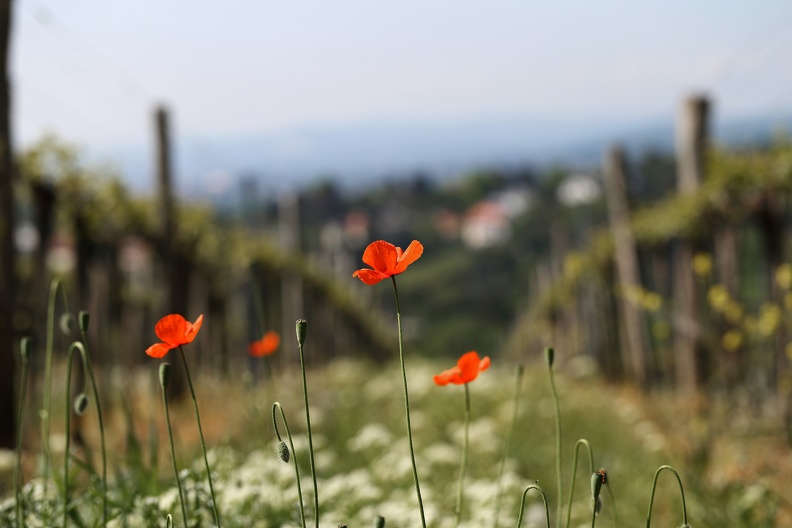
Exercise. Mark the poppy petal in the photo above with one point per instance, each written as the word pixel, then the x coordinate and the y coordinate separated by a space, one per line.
pixel 370 277
pixel 192 330
pixel 381 256
pixel 159 350
pixel 265 346
pixel 171 329
pixel 410 255
pixel 447 376
pixel 485 364
pixel 468 366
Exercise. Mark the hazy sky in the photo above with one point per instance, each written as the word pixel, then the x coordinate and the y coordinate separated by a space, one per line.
pixel 92 70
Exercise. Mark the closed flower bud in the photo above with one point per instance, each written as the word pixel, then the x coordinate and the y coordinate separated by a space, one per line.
pixel 24 348
pixel 282 451
pixel 83 318
pixel 596 485
pixel 80 404
pixel 164 374
pixel 379 522
pixel 302 325
pixel 549 355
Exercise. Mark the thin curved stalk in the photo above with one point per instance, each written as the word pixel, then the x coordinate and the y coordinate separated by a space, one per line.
pixel 301 327
pixel 507 443
pixel 407 404
pixel 67 413
pixel 279 407
pixel 463 467
pixel 557 413
pixel 164 376
pixel 580 442
pixel 681 492
pixel 200 433
pixel 83 319
pixel 544 500
pixel 613 506
pixel 46 411
pixel 24 347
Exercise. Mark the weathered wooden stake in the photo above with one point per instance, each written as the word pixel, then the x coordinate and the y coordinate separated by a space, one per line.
pixel 7 275
pixel 632 331
pixel 691 145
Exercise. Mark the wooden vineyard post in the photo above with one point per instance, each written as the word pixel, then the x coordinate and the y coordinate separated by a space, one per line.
pixel 691 145
pixel 632 331
pixel 7 276
pixel 291 283
pixel 175 265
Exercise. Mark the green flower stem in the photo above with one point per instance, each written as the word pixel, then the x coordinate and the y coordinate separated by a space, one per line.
pixel 83 320
pixel 544 500
pixel 508 442
pixel 278 406
pixel 557 412
pixel 681 492
pixel 163 385
pixel 613 506
pixel 200 433
pixel 25 351
pixel 67 430
pixel 46 411
pixel 407 405
pixel 580 442
pixel 460 487
pixel 308 425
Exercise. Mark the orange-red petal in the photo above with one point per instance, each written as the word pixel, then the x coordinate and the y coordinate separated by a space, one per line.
pixel 175 330
pixel 381 256
pixel 192 330
pixel 468 366
pixel 467 369
pixel 266 345
pixel 447 376
pixel 159 350
pixel 370 277
pixel 410 255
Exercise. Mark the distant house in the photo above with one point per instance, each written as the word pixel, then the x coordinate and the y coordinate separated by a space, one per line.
pixel 486 224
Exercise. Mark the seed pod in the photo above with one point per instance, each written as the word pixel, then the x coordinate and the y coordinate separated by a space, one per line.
pixel 302 325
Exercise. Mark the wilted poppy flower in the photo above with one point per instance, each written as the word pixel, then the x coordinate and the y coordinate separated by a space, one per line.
pixel 466 370
pixel 387 260
pixel 266 345
pixel 174 330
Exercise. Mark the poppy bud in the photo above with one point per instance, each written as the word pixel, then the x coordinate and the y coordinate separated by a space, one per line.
pixel 597 480
pixel 83 318
pixel 164 374
pixel 302 325
pixel 169 521
pixel 549 355
pixel 379 522
pixel 80 404
pixel 24 348
pixel 282 450
pixel 66 323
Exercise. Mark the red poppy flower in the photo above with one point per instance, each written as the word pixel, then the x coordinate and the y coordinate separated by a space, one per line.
pixel 174 331
pixel 266 345
pixel 387 260
pixel 466 370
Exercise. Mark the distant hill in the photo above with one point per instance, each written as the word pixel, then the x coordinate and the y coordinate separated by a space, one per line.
pixel 366 153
